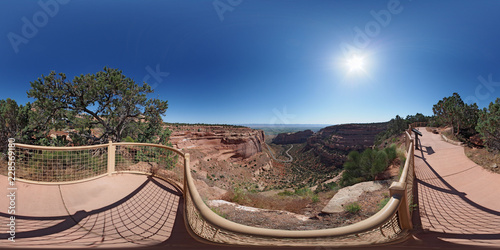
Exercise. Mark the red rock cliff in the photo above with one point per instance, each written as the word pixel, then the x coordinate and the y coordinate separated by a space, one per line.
pixel 333 143
pixel 290 138
pixel 220 142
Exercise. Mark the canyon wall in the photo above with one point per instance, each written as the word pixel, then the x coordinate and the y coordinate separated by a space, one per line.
pixel 219 142
pixel 333 143
pixel 291 138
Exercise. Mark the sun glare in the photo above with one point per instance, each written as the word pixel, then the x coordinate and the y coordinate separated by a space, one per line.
pixel 356 64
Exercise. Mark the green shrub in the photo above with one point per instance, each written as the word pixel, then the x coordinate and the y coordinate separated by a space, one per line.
pixel 239 196
pixel 364 166
pixel 352 208
pixel 315 198
pixel 489 125
pixel 128 139
pixel 391 152
pixel 379 164
pixel 322 187
pixel 303 191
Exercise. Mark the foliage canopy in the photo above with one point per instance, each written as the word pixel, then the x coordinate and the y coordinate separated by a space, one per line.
pixel 103 106
pixel 489 125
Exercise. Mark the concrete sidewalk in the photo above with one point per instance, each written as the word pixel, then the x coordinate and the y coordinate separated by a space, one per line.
pixel 459 201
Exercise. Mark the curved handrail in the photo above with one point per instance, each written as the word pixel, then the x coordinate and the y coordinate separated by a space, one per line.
pixel 373 222
pixel 27 146
pixel 404 173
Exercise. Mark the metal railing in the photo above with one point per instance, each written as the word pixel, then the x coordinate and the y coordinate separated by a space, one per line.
pixel 62 165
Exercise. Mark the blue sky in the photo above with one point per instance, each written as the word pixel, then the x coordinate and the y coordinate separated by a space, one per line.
pixel 258 61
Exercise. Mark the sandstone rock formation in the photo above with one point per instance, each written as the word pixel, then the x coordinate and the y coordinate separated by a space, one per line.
pixel 291 138
pixel 221 143
pixel 350 194
pixel 332 144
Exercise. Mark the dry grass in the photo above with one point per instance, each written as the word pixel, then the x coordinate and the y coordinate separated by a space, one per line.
pixel 484 158
pixel 294 204
pixel 369 203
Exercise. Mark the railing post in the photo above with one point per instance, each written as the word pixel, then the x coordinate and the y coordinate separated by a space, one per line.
pixel 111 157
pixel 412 155
pixel 398 189
pixel 186 169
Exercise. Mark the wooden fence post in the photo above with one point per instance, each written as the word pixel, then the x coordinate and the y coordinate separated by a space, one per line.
pixel 398 189
pixel 186 168
pixel 111 157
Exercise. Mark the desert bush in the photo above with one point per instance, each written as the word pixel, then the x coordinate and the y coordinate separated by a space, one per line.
pixel 238 196
pixel 327 187
pixel 352 208
pixel 291 203
pixel 303 191
pixel 286 193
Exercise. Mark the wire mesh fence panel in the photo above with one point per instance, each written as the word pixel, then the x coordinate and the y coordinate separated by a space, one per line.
pixel 50 165
pixel 149 159
pixel 388 232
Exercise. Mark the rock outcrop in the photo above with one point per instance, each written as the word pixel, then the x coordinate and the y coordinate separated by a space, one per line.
pixel 351 194
pixel 221 143
pixel 291 138
pixel 333 143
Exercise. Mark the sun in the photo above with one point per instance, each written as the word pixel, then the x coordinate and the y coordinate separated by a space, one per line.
pixel 356 64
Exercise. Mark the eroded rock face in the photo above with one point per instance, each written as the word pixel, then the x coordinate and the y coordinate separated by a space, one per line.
pixel 333 143
pixel 291 138
pixel 221 143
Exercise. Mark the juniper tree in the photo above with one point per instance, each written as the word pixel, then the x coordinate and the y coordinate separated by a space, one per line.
pixel 103 106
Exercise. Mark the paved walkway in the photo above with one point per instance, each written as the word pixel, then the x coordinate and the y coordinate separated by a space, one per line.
pixel 123 210
pixel 459 201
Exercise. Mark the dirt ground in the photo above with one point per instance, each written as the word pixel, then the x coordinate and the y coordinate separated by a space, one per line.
pixel 369 203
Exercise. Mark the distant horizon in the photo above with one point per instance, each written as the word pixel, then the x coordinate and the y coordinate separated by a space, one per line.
pixel 284 125
pixel 274 125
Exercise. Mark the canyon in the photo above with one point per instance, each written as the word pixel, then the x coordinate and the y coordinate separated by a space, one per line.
pixel 332 144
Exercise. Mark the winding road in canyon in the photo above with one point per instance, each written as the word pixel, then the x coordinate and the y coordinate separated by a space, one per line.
pixel 284 161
